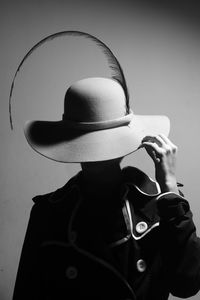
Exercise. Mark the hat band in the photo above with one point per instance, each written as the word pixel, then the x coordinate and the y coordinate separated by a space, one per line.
pixel 91 126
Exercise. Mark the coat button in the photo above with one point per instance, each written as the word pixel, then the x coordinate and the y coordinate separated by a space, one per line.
pixel 141 227
pixel 141 265
pixel 71 272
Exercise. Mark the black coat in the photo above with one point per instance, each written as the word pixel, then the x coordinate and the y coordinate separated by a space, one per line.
pixel 146 248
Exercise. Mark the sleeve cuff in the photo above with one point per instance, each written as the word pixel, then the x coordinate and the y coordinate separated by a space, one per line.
pixel 171 205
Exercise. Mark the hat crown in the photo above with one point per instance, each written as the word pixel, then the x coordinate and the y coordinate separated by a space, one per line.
pixel 94 100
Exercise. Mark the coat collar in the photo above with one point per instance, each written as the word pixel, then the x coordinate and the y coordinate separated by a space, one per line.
pixel 141 181
pixel 138 188
pixel 133 177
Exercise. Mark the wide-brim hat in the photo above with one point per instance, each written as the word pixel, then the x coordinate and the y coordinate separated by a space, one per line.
pixel 95 125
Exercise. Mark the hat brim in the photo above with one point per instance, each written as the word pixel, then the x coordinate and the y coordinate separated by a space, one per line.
pixel 56 141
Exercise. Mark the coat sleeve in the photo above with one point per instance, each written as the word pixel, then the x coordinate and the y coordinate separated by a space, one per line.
pixel 180 245
pixel 26 273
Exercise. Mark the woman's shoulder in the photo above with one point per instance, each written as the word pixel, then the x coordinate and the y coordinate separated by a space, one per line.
pixel 58 195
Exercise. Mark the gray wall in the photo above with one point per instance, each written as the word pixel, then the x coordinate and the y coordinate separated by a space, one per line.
pixel 158 46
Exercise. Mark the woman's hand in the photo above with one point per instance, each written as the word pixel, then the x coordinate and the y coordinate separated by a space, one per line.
pixel 164 154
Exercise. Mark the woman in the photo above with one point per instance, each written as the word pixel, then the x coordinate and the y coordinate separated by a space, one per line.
pixel 109 233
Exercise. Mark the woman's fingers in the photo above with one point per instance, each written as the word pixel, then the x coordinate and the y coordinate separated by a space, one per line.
pixel 153 150
pixel 152 145
pixel 152 153
pixel 158 146
pixel 163 152
pixel 162 141
pixel 168 142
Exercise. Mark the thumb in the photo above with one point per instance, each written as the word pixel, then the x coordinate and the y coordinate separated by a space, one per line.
pixel 151 152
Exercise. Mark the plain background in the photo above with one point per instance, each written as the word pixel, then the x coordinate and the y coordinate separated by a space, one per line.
pixel 158 46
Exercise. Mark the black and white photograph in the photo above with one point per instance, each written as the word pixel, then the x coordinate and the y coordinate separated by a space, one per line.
pixel 99 150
